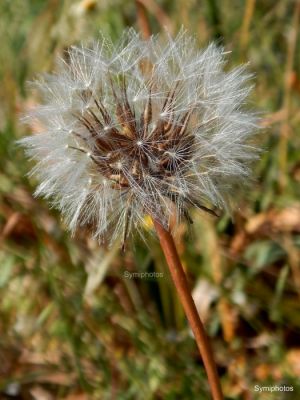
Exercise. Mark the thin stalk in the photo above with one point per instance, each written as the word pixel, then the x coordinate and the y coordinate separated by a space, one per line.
pixel 248 15
pixel 180 281
pixel 143 20
pixel 287 97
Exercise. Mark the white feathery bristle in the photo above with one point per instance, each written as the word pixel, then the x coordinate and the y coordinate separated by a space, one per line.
pixel 141 127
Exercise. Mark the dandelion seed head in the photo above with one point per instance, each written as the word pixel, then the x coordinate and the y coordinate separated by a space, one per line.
pixel 142 128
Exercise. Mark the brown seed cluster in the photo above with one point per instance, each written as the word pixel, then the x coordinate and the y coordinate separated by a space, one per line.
pixel 128 147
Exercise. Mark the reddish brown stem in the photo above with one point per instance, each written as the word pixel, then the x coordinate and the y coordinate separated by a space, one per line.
pixel 179 279
pixel 143 21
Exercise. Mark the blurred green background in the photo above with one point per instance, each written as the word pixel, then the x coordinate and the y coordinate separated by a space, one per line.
pixel 73 324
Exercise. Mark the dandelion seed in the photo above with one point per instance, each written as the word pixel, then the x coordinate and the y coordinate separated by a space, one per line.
pixel 177 133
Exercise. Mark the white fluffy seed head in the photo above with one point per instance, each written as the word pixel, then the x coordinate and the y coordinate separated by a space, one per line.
pixel 152 126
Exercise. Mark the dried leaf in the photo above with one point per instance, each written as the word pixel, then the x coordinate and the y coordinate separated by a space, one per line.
pixel 204 294
pixel 286 220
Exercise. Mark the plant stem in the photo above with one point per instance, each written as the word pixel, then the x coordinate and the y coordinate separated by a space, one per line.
pixel 248 15
pixel 180 281
pixel 143 20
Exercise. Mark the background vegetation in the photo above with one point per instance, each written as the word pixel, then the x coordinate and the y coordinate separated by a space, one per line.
pixel 72 325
